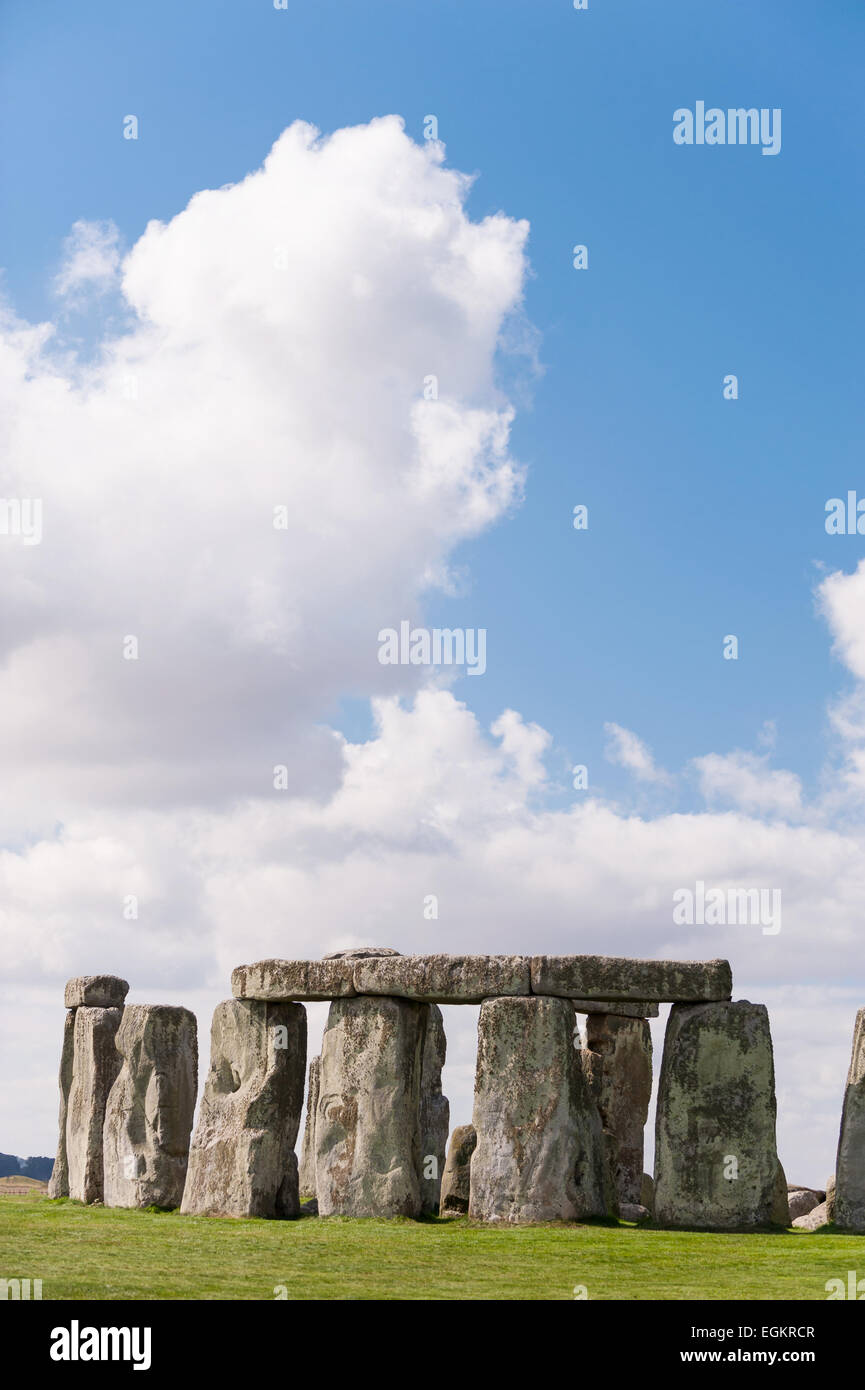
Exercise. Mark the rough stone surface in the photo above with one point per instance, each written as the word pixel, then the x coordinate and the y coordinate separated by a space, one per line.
pixel 96 992
pixel 849 1194
pixel 441 979
pixel 148 1117
pixel 801 1201
pixel 242 1160
pixel 619 977
pixel 633 1211
pixel 294 980
pixel 830 1196
pixel 780 1215
pixel 647 1193
pixel 456 1183
pixel 307 1154
pixel 434 1112
pixel 367 1133
pixel 623 1008
pixel 593 1072
pixel 362 953
pixel 58 1185
pixel 716 1116
pixel 814 1219
pixel 540 1146
pixel 94 1068
pixel 625 1044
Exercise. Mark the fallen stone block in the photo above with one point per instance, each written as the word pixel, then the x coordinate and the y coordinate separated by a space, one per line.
pixel 306 1176
pixel 621 1008
pixel 625 1045
pixel 617 977
pixel 540 1145
pixel 367 1132
pixel 94 1068
pixel 456 1179
pixel 294 980
pixel 58 1185
pixel 148 1117
pixel 434 1112
pixel 442 979
pixel 814 1219
pixel 716 1161
pixel 849 1193
pixel 802 1200
pixel 633 1211
pixel 96 992
pixel 242 1160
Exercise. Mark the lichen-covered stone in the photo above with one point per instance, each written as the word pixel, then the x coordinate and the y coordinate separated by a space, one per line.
pixel 622 1008
pixel 294 980
pixel 96 992
pixel 456 1179
pixel 242 1160
pixel 849 1192
pixel 367 1131
pixel 306 1177
pixel 802 1200
pixel 434 1111
pixel 361 953
pixel 618 977
pixel 625 1045
pixel 58 1185
pixel 443 979
pixel 94 1068
pixel 540 1146
pixel 814 1219
pixel 716 1161
pixel 148 1117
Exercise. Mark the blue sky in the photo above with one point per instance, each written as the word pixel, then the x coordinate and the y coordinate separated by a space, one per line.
pixel 706 516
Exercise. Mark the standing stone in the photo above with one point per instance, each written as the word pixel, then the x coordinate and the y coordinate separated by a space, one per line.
pixel 307 1153
pixel 94 1068
pixel 625 1044
pixel 367 1137
pixel 59 1183
pixel 456 1184
pixel 647 1193
pixel 540 1147
pixel 434 1112
pixel 242 1160
pixel 716 1162
pixel 148 1117
pixel 848 1208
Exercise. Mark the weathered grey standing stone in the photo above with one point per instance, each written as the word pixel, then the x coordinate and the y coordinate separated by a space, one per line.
pixel 367 1134
pixel 294 979
pixel 624 1008
pixel 242 1160
pixel 716 1162
pixel 540 1147
pixel 619 977
pixel 94 1068
pixel 625 1044
pixel 148 1117
pixel 58 1185
pixel 307 1153
pixel 442 979
pixel 830 1197
pixel 456 1179
pixel 434 1111
pixel 96 992
pixel 849 1195
pixel 647 1193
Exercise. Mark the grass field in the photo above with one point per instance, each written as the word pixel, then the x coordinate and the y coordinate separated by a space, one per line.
pixel 93 1252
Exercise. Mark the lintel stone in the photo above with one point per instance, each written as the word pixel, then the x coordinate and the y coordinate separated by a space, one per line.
pixel 294 979
pixel 618 977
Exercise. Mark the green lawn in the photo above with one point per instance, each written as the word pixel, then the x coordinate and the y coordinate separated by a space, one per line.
pixel 91 1252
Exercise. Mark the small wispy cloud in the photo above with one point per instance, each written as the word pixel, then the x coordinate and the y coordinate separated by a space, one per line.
pixel 627 750
pixel 91 261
